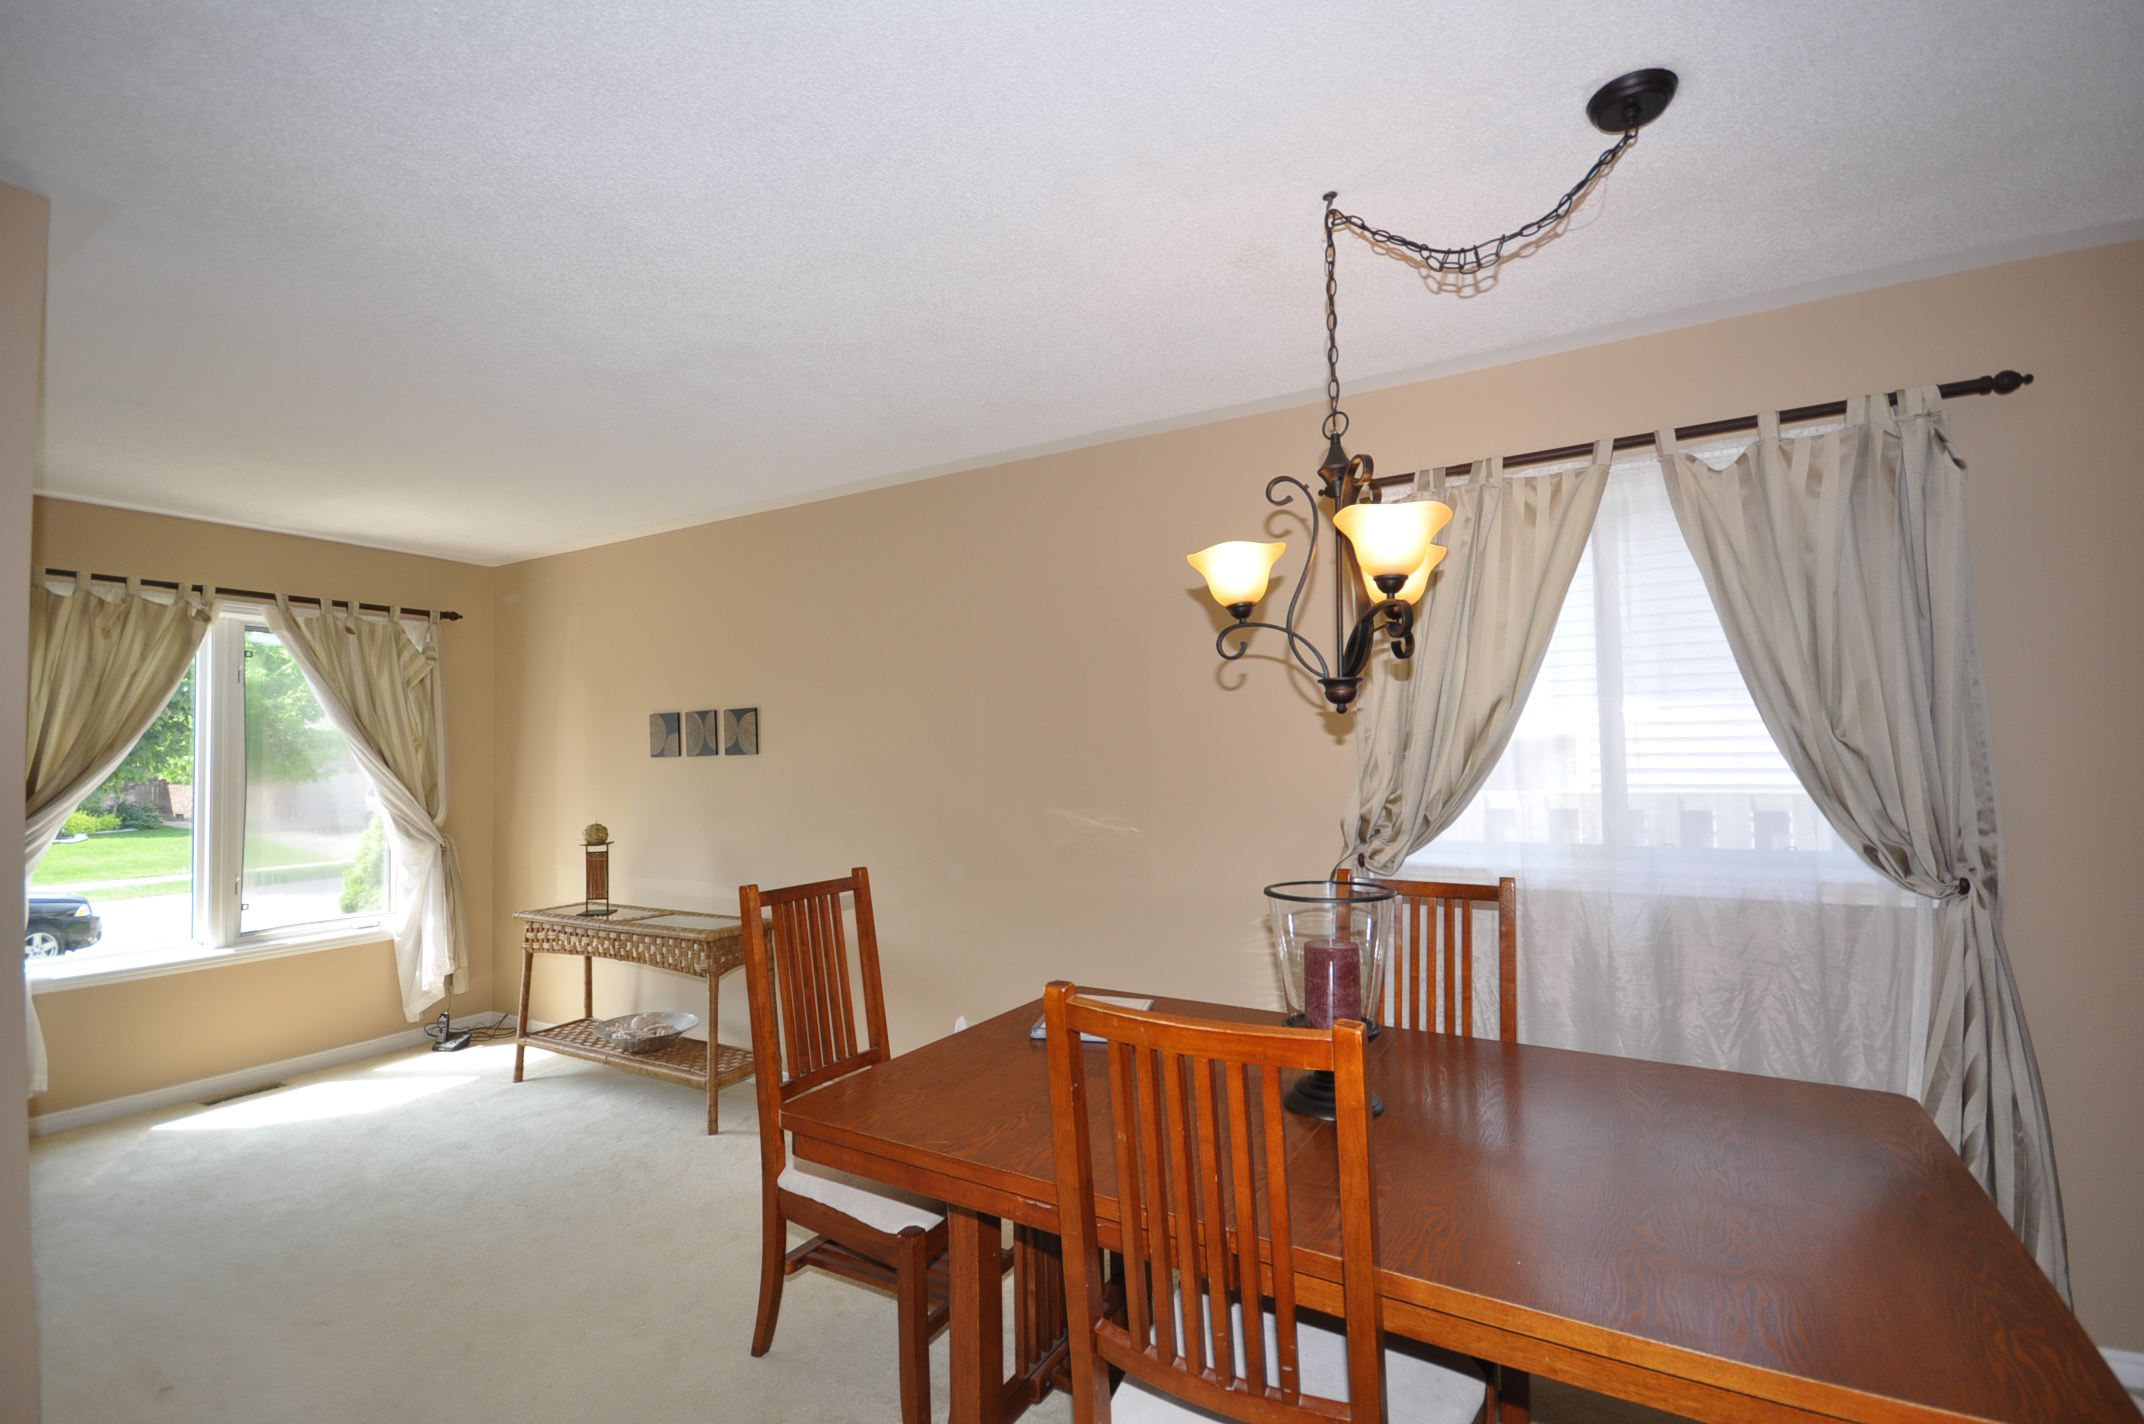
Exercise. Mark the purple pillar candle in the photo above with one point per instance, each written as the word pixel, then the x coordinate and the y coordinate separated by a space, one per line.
pixel 1332 981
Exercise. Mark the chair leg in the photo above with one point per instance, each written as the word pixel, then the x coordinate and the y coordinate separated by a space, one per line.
pixel 1515 1396
pixel 912 1298
pixel 774 1245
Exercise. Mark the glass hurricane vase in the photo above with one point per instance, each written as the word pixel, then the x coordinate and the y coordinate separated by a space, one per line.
pixel 1333 938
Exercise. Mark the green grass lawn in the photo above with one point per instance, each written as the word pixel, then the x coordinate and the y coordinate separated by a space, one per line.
pixel 161 859
pixel 118 855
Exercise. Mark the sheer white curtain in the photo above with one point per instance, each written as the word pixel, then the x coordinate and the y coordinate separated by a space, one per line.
pixel 1681 897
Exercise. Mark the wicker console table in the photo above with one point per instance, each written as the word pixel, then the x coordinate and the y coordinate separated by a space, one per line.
pixel 691 942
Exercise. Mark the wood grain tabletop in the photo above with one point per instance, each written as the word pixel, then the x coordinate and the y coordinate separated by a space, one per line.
pixel 1733 1246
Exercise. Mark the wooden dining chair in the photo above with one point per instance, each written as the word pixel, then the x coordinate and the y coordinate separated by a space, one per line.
pixel 803 1036
pixel 1436 924
pixel 1199 1166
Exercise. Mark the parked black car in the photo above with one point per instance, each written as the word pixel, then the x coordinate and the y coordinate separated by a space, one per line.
pixel 59 924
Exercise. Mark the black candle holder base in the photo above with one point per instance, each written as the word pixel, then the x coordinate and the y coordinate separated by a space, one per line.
pixel 1312 1095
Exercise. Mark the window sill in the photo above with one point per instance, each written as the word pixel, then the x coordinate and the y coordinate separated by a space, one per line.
pixel 153 964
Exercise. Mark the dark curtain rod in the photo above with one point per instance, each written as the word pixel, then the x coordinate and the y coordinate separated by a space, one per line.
pixel 445 615
pixel 2002 383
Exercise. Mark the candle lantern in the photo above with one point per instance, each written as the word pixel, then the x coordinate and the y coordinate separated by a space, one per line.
pixel 1333 938
pixel 595 847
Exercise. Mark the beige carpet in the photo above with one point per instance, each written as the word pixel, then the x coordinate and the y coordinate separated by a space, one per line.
pixel 417 1237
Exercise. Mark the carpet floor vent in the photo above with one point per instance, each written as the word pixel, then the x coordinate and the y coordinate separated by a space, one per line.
pixel 242 1093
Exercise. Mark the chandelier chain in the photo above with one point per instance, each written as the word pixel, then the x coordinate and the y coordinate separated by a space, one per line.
pixel 1335 419
pixel 1476 257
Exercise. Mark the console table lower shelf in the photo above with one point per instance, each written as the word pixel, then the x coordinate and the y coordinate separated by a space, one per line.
pixel 683 1061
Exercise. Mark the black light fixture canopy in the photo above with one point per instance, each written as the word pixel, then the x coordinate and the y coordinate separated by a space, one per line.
pixel 1630 101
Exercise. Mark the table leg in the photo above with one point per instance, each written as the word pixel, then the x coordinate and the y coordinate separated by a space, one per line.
pixel 521 1024
pixel 1515 1405
pixel 588 986
pixel 975 1261
pixel 714 1002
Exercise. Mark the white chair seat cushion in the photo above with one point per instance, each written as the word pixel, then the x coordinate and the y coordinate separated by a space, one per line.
pixel 1418 1389
pixel 881 1208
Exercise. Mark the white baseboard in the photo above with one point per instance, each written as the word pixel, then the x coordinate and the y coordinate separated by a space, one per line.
pixel 2129 1369
pixel 239 1081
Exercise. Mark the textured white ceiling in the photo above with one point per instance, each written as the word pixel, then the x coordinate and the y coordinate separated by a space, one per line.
pixel 492 279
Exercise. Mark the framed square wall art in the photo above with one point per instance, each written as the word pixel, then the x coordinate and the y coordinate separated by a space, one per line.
pixel 703 733
pixel 740 731
pixel 662 734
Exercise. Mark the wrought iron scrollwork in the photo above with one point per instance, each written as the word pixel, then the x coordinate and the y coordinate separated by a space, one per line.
pixel 1395 616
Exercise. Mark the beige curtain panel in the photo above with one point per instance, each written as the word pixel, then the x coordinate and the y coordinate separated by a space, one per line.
pixel 382 688
pixel 1839 566
pixel 1434 725
pixel 103 663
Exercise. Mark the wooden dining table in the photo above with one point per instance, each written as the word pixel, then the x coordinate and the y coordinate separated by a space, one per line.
pixel 1724 1246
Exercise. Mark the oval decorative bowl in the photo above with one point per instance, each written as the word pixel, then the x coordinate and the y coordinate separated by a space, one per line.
pixel 643 1033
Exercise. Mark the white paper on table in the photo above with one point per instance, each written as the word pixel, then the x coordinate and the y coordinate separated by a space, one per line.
pixel 1041 1030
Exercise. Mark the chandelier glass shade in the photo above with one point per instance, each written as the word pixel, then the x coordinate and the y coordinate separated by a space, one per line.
pixel 1390 541
pixel 1417 582
pixel 1236 571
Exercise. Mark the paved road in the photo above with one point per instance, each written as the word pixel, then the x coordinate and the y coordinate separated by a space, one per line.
pixel 90 887
pixel 154 921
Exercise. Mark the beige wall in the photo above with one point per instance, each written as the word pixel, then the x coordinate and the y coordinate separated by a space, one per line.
pixel 23 220
pixel 108 1041
pixel 997 689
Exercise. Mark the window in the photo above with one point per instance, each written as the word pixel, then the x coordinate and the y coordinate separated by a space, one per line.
pixel 239 822
pixel 1681 897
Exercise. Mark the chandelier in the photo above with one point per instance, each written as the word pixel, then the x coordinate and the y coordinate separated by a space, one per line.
pixel 1383 554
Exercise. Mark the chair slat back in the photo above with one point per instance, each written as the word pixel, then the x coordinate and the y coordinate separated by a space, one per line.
pixel 797 976
pixel 1201 1179
pixel 1430 984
